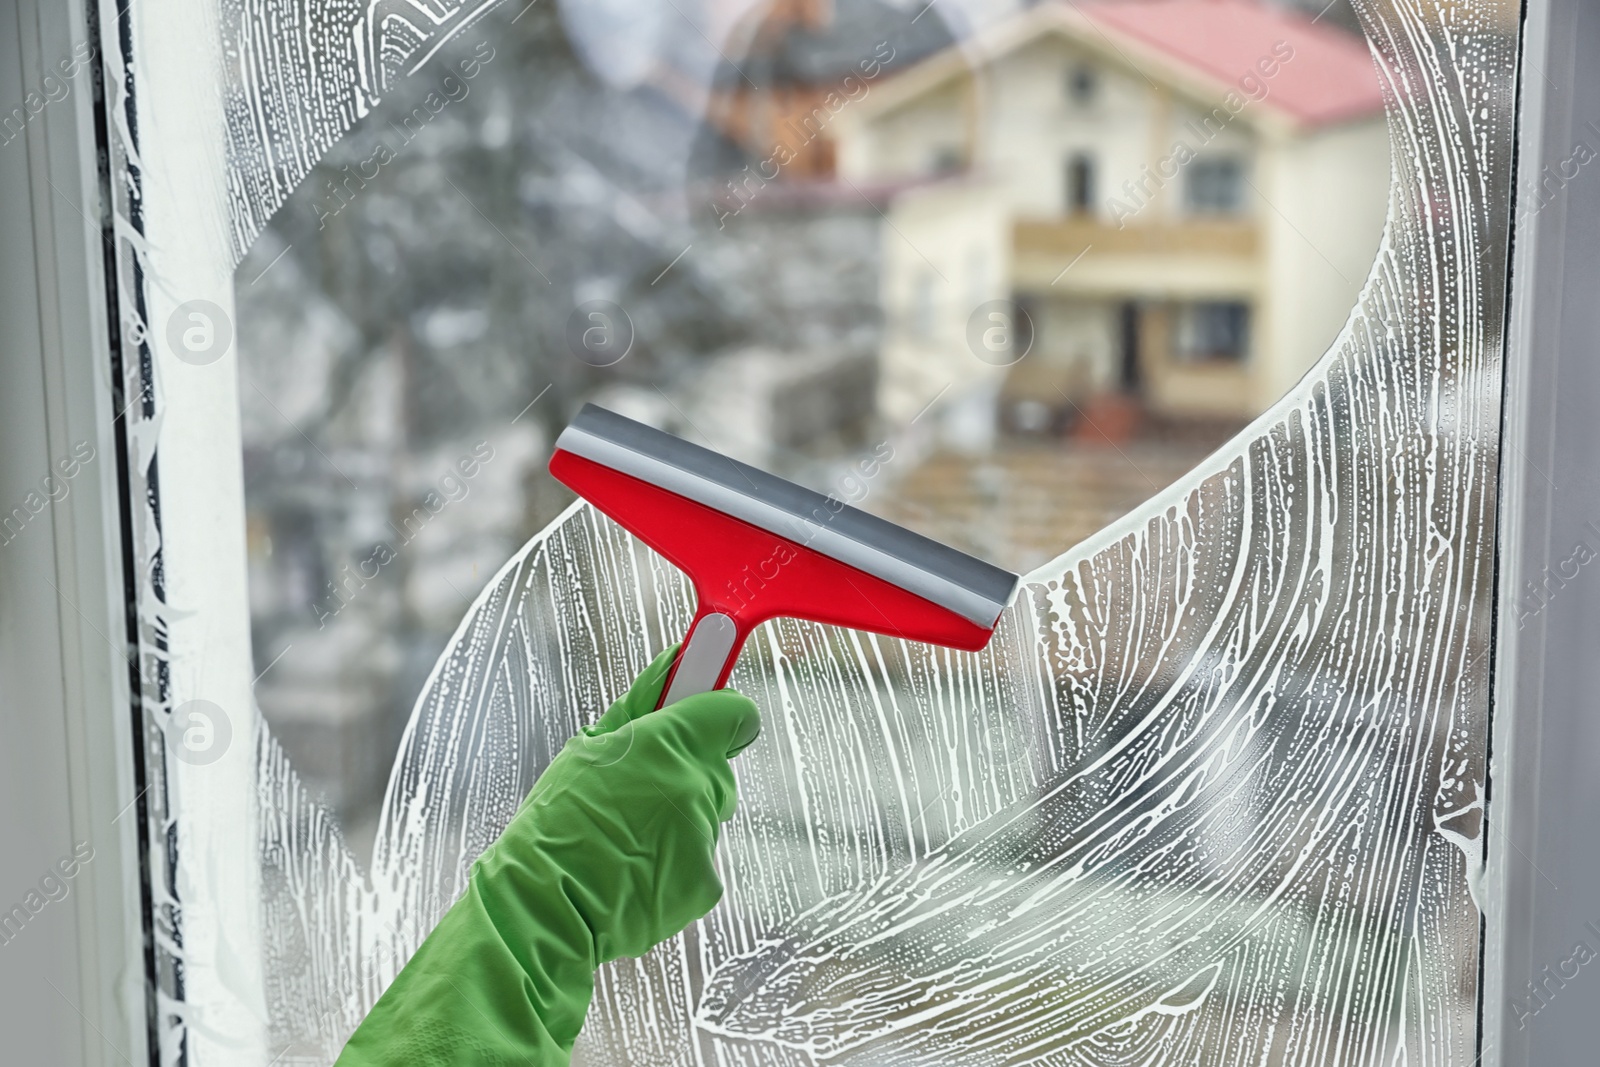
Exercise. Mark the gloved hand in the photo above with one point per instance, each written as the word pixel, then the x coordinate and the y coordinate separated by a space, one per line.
pixel 609 854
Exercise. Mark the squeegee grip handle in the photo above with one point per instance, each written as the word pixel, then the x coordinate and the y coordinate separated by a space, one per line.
pixel 704 658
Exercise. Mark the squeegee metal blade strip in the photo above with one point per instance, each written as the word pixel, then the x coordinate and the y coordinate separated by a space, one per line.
pixel 920 577
pixel 969 572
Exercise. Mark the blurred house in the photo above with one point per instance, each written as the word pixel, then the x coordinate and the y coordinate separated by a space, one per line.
pixel 1182 197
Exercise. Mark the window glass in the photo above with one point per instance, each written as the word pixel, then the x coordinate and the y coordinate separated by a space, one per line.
pixel 1213 794
pixel 1080 183
pixel 1082 84
pixel 1214 186
pixel 1214 329
pixel 946 159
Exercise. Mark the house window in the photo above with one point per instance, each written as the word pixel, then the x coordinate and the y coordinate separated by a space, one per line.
pixel 1214 186
pixel 1083 84
pixel 1214 330
pixel 947 159
pixel 1080 183
pixel 924 300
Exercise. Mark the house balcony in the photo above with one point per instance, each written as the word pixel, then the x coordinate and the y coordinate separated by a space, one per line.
pixel 1156 259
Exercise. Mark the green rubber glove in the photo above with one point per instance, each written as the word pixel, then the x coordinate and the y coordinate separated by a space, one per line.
pixel 610 854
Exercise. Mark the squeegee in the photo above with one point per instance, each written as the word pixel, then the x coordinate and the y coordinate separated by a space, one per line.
pixel 757 547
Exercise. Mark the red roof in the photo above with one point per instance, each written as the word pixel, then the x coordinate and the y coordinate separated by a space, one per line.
pixel 1329 78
